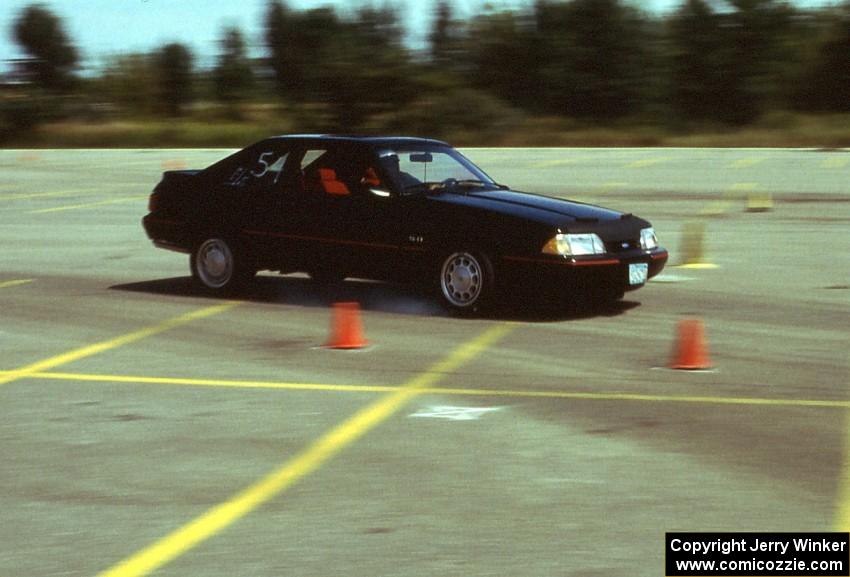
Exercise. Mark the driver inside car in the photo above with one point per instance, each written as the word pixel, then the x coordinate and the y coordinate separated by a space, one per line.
pixel 392 165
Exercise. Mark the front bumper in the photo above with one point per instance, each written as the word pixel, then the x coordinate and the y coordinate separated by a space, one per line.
pixel 595 275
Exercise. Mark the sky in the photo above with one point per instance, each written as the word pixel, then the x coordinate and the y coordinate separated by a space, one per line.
pixel 101 28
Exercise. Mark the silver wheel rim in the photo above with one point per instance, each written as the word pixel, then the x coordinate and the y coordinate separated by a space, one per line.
pixel 214 263
pixel 461 279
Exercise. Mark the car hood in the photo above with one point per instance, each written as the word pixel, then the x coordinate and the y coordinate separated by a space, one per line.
pixel 543 209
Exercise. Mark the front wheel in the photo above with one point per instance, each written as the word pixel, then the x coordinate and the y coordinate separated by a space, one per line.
pixel 467 281
pixel 220 266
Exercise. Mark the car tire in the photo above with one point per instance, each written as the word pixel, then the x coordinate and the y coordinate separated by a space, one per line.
pixel 220 266
pixel 466 281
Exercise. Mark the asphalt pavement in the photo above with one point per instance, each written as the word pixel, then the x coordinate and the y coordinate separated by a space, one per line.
pixel 147 429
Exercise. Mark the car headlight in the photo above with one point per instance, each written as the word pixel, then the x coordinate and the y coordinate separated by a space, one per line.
pixel 648 240
pixel 574 245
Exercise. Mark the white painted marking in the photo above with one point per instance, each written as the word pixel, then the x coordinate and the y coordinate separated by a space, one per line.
pixel 685 371
pixel 671 278
pixel 454 413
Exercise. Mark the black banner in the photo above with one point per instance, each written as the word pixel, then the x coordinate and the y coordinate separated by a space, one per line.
pixel 744 554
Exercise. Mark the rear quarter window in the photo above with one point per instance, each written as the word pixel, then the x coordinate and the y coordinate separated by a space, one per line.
pixel 249 168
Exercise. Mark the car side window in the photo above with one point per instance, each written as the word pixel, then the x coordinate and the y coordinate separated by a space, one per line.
pixel 260 167
pixel 237 174
pixel 327 173
pixel 311 156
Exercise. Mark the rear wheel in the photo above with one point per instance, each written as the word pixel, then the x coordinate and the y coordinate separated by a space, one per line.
pixel 220 266
pixel 466 281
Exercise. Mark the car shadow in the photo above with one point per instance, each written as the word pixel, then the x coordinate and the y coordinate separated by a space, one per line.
pixel 374 296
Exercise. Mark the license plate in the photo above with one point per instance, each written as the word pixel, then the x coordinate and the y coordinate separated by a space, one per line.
pixel 638 272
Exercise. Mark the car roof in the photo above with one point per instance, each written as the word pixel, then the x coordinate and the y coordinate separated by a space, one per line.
pixel 377 141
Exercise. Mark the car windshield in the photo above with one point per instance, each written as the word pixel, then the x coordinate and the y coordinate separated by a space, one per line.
pixel 433 169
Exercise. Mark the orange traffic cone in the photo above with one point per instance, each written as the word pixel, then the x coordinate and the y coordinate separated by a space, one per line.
pixel 346 330
pixel 174 164
pixel 691 350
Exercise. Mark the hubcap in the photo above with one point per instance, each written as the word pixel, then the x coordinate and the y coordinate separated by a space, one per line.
pixel 215 263
pixel 461 279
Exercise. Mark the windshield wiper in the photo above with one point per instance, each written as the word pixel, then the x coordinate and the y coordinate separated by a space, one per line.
pixel 426 187
pixel 482 184
pixel 418 187
pixel 449 184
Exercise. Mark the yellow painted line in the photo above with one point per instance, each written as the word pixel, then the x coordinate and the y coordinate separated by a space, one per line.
pixel 236 384
pixel 23 196
pixel 738 191
pixel 154 163
pixel 812 403
pixel 221 516
pixel 88 204
pixel 716 207
pixel 607 187
pixel 613 185
pixel 576 395
pixel 11 283
pixel 87 351
pixel 643 163
pixel 558 162
pixel 743 187
pixel 746 162
pixel 835 162
pixel 842 508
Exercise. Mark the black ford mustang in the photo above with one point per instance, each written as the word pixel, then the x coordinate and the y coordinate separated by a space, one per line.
pixel 392 208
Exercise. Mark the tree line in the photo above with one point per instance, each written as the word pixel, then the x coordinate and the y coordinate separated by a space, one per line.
pixel 596 61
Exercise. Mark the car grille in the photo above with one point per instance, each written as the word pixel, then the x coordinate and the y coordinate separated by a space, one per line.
pixel 615 246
